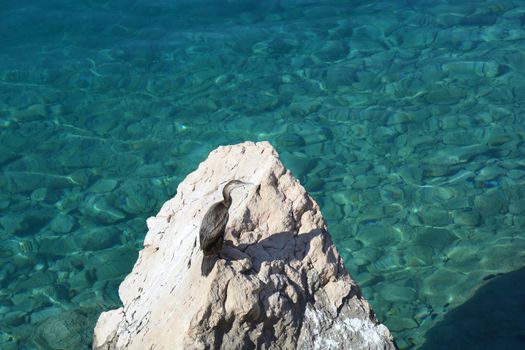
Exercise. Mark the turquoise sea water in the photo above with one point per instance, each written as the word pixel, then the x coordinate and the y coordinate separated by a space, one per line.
pixel 404 119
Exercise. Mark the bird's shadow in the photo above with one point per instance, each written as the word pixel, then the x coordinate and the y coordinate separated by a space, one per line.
pixel 283 246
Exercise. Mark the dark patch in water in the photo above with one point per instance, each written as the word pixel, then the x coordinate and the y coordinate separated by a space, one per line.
pixel 491 319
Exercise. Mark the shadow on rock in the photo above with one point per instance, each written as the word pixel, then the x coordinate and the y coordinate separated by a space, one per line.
pixel 284 246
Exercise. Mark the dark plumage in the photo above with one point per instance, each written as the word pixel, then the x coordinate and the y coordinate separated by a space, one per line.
pixel 213 226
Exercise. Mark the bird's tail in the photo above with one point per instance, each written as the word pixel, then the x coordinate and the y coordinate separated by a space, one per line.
pixel 208 262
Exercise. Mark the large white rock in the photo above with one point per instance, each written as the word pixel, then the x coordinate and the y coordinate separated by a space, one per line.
pixel 281 286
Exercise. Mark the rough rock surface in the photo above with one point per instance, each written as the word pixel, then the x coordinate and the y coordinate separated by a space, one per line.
pixel 281 284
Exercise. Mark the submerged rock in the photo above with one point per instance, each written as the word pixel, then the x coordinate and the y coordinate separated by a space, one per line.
pixel 63 331
pixel 490 203
pixel 280 283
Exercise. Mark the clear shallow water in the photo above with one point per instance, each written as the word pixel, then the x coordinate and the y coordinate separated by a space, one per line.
pixel 404 119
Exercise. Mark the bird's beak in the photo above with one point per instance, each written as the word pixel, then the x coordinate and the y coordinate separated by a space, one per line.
pixel 242 184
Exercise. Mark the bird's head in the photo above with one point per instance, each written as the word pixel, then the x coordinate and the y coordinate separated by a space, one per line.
pixel 232 184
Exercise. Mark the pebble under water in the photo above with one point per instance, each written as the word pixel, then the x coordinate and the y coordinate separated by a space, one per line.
pixel 403 119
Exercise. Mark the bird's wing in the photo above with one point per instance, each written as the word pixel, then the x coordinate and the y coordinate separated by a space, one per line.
pixel 213 223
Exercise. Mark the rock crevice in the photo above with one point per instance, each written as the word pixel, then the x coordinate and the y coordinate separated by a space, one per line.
pixel 280 283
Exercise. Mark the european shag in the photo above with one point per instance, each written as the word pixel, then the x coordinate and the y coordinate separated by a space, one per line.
pixel 213 224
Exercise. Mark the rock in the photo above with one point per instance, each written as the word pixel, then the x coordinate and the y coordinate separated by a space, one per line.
pixel 411 173
pixel 31 113
pixel 281 283
pixel 435 237
pixel 97 208
pixel 445 96
pixel 110 264
pixel 365 181
pixel 59 246
pixel 490 203
pixel 490 172
pixel 103 185
pixel 399 118
pixel 289 140
pixel 39 195
pixel 133 197
pixel 299 162
pixel 467 218
pixel 471 69
pixel 62 223
pixel 517 207
pixel 339 77
pixel 455 155
pixel 333 51
pixel 97 238
pixel 416 38
pixel 26 223
pixel 400 324
pixel 66 330
pixel 434 216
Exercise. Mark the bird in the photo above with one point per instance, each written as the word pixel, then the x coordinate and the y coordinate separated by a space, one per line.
pixel 213 226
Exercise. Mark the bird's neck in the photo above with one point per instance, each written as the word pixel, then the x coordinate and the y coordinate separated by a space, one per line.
pixel 227 197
